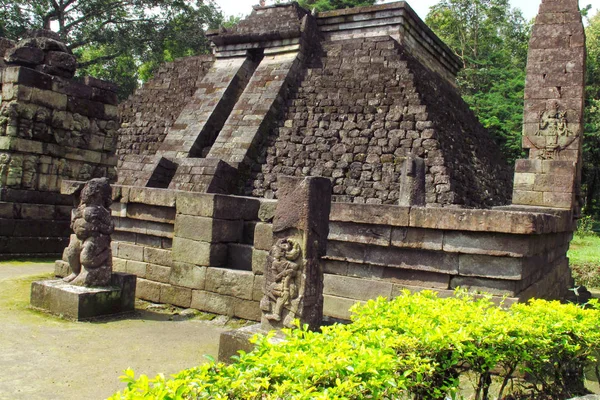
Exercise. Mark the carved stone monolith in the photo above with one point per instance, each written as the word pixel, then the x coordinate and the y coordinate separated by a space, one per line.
pixel 554 104
pixel 293 287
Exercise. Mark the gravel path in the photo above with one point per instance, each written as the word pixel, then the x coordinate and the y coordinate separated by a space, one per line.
pixel 44 357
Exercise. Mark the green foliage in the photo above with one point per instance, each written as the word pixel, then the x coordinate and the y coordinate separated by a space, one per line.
pixel 491 40
pixel 112 38
pixel 591 142
pixel 416 346
pixel 328 5
pixel 584 257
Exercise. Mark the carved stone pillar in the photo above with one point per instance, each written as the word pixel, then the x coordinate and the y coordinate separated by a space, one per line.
pixel 554 102
pixel 293 278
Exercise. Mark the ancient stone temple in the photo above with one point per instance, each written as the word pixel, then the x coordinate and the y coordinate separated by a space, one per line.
pixel 52 127
pixel 365 98
pixel 346 95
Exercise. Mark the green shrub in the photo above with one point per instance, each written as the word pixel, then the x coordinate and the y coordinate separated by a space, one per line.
pixel 417 346
pixel 584 257
pixel 585 226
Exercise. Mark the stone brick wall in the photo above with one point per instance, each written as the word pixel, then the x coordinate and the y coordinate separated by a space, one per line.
pixel 209 251
pixel 149 113
pixel 382 250
pixel 363 106
pixel 52 128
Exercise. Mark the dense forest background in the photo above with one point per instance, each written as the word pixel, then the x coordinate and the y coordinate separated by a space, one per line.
pixel 126 40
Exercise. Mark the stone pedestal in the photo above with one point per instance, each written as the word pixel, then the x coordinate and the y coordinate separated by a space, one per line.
pixel 82 303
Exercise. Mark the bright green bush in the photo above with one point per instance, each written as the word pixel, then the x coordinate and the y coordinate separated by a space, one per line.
pixel 417 346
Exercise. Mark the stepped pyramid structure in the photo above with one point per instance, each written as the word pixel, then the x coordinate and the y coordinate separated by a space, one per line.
pixel 346 95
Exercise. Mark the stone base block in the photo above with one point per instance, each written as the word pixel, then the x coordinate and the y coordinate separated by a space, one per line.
pixel 81 303
pixel 231 342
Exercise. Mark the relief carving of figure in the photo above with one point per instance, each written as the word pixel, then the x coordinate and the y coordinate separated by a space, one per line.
pixel 553 130
pixel 29 171
pixel 15 171
pixel 280 280
pixel 4 165
pixel 41 125
pixel 89 253
pixel 9 120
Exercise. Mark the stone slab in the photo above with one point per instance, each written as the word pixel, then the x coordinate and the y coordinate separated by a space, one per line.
pixel 82 303
pixel 231 342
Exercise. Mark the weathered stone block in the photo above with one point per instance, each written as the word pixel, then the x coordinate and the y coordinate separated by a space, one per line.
pixel 176 295
pixel 426 239
pixel 489 243
pixel 355 288
pixel 213 302
pixel 492 267
pixel 482 285
pixel 360 233
pixel 229 282
pixel 153 197
pixel 232 342
pixel 129 251
pixel 337 307
pixel 158 273
pixel 417 278
pixel 263 236
pixel 188 275
pixel 158 256
pixel 247 309
pixel 218 206
pixel 148 290
pixel 199 253
pixel 81 303
pixel 370 214
pixel 136 268
pixel 149 213
pixel 259 261
pixel 208 229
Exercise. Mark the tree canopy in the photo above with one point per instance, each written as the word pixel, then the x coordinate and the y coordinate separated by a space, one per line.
pixel 112 38
pixel 491 39
pixel 591 141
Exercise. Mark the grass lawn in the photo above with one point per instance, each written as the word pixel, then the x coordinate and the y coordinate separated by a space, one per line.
pixel 584 256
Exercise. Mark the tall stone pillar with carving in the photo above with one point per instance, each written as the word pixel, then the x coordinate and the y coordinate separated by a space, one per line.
pixel 554 102
pixel 293 286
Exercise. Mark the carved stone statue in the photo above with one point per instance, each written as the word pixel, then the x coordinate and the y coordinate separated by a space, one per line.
pixel 280 288
pixel 4 165
pixel 89 254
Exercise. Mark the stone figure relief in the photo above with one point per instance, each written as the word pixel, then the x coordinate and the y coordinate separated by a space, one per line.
pixel 4 166
pixel 15 171
pixel 9 120
pixel 29 172
pixel 280 288
pixel 41 128
pixel 89 254
pixel 85 173
pixel 553 134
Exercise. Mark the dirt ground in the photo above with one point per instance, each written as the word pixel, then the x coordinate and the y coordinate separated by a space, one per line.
pixel 44 357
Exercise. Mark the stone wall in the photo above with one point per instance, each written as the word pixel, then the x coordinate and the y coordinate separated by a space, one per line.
pixel 52 127
pixel 209 251
pixel 363 106
pixel 149 113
